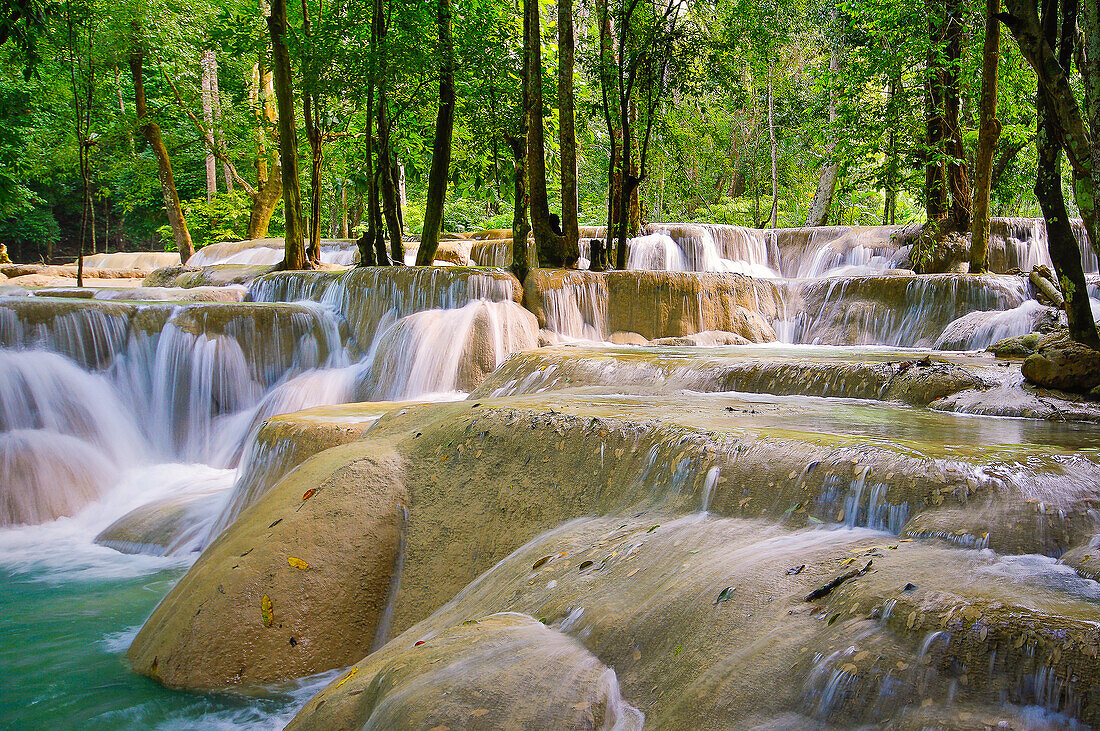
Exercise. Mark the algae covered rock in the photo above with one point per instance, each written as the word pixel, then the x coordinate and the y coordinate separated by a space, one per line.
pixel 1019 346
pixel 166 527
pixel 299 585
pixel 1063 364
pixel 502 671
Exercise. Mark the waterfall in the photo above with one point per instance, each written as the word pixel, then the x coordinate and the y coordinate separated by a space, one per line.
pixel 64 435
pixel 446 350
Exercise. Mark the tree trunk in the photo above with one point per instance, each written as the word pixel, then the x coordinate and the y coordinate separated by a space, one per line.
pixel 826 184
pixel 989 130
pixel 566 126
pixel 151 132
pixel 548 244
pixel 773 217
pixel 1074 137
pixel 935 176
pixel 1061 243
pixel 295 253
pixel 389 189
pixel 206 64
pixel 441 145
pixel 269 180
pixel 344 230
pixel 958 184
pixel 521 227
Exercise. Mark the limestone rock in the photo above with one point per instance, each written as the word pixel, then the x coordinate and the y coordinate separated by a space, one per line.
pixel 627 338
pixel 920 383
pixel 1019 346
pixel 502 671
pixel 1064 365
pixel 171 526
pixel 708 338
pixel 245 614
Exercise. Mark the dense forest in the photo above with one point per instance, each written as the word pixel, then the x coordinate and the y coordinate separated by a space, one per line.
pixel 171 125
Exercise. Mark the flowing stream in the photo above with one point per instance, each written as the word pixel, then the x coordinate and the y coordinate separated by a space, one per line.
pixel 109 408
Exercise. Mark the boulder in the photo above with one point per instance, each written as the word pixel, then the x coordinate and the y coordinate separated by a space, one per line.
pixel 299 585
pixel 1019 346
pixel 502 671
pixel 171 526
pixel 1063 364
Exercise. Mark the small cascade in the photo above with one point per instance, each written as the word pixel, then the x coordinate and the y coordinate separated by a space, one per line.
pixel 575 307
pixel 978 330
pixel 446 350
pixel 338 252
pixel 64 435
pixel 372 298
pixel 892 310
pixel 654 252
pixel 1021 243
pixel 209 363
pixel 837 250
pixel 90 335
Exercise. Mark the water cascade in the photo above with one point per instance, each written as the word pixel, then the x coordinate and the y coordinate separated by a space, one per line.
pixel 754 481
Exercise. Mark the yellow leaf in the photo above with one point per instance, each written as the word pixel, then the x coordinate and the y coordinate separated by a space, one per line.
pixel 297 563
pixel 348 676
pixel 581 706
pixel 267 610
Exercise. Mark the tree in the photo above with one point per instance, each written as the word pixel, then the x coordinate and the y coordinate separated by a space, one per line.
pixel 441 146
pixel 295 256
pixel 151 131
pixel 989 130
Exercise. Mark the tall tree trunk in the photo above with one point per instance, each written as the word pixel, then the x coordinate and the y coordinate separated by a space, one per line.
pixel 520 225
pixel 614 133
pixel 890 207
pixel 989 130
pixel 566 126
pixel 547 242
pixel 441 145
pixel 269 180
pixel 389 189
pixel 1062 244
pixel 826 184
pixel 958 184
pixel 344 230
pixel 151 132
pixel 208 70
pixel 935 175
pixel 773 217
pixel 1074 136
pixel 295 253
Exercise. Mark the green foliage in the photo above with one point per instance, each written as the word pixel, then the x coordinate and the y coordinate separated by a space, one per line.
pixel 225 218
pixel 30 234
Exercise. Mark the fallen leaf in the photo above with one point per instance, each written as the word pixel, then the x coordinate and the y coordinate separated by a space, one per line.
pixel 309 493
pixel 267 611
pixel 581 706
pixel 540 563
pixel 653 528
pixel 726 594
pixel 418 643
pixel 584 565
pixel 297 563
pixel 348 676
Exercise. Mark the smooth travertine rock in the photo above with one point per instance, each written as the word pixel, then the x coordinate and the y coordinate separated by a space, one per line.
pixel 209 276
pixel 500 671
pixel 215 628
pixel 653 304
pixel 517 467
pixel 707 338
pixel 146 261
pixel 627 338
pixel 285 441
pixel 1063 364
pixel 166 527
pixel 719 623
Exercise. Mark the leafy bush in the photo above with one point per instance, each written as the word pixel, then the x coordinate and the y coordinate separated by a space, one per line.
pixel 30 234
pixel 223 219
